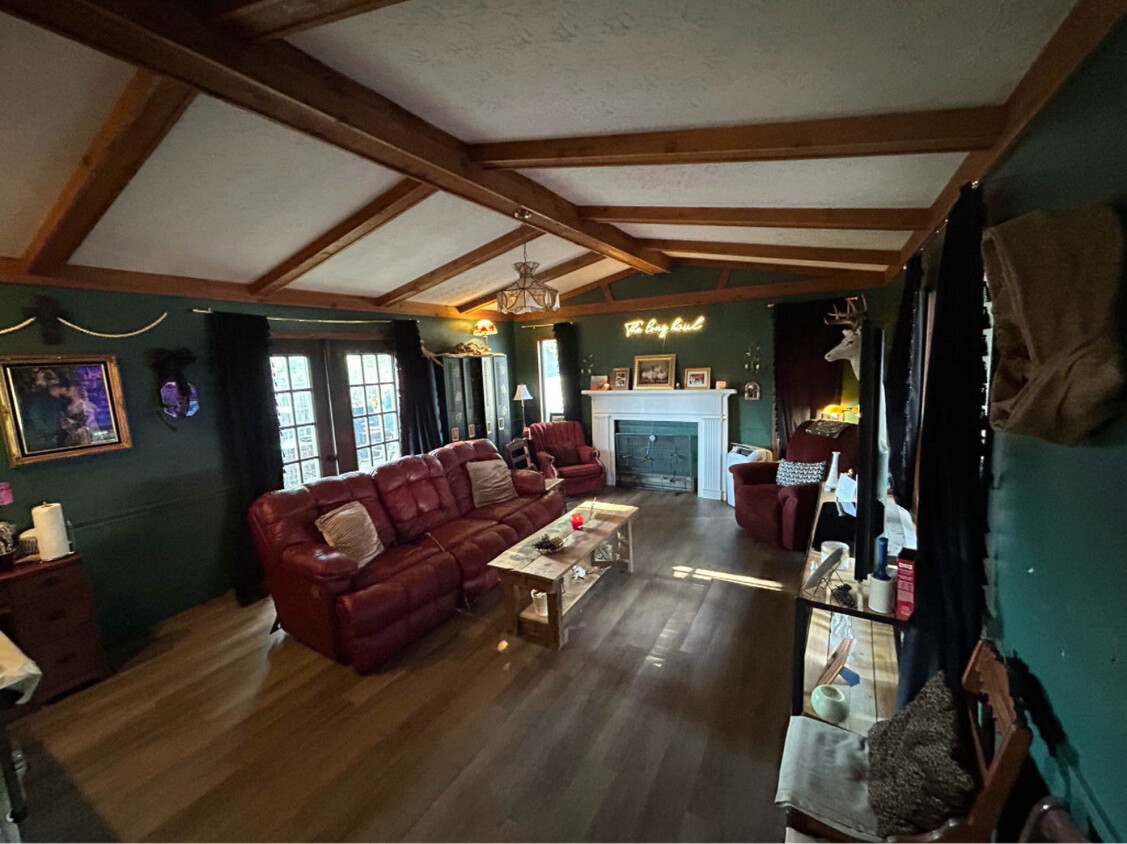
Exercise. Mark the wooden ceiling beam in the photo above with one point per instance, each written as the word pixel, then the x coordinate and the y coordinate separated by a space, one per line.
pixel 1082 31
pixel 874 219
pixel 451 269
pixel 755 266
pixel 900 133
pixel 138 121
pixel 840 282
pixel 255 19
pixel 549 275
pixel 382 210
pixel 771 251
pixel 277 81
pixel 603 283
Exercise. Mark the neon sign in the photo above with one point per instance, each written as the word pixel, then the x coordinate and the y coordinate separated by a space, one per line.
pixel 638 327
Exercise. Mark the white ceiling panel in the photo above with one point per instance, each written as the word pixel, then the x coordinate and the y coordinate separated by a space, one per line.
pixel 892 181
pixel 53 98
pixel 603 269
pixel 547 250
pixel 437 230
pixel 751 262
pixel 227 195
pixel 508 69
pixel 839 238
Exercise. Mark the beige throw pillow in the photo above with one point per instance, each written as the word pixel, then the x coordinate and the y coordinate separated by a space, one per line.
pixel 349 529
pixel 491 482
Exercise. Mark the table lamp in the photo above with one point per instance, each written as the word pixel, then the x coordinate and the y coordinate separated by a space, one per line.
pixel 484 329
pixel 522 395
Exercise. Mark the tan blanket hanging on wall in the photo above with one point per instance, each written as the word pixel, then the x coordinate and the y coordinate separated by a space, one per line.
pixel 1054 279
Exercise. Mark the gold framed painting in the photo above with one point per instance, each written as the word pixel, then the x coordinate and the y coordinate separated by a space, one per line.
pixel 655 372
pixel 698 377
pixel 57 406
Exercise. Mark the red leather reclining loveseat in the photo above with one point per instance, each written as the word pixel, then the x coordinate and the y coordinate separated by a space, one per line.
pixel 438 547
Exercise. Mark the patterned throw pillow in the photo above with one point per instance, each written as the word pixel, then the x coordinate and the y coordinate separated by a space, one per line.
pixel 918 764
pixel 349 529
pixel 491 482
pixel 791 474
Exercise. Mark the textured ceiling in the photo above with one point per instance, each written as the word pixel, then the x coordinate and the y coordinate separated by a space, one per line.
pixel 435 231
pixel 852 239
pixel 546 250
pixel 894 181
pixel 54 94
pixel 505 69
pixel 752 261
pixel 227 195
pixel 603 269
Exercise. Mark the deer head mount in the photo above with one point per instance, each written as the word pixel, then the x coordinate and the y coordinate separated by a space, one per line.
pixel 850 319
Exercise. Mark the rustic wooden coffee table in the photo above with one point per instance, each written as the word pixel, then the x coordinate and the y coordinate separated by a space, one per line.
pixel 604 541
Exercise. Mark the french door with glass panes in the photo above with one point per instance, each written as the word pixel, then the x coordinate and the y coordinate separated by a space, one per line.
pixel 338 406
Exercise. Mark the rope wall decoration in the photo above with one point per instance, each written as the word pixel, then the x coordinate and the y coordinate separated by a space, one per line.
pixel 50 316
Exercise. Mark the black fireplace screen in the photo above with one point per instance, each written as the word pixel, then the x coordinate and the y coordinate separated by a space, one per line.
pixel 655 461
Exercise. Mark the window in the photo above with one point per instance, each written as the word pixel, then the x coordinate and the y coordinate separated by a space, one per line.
pixel 338 407
pixel 373 388
pixel 551 387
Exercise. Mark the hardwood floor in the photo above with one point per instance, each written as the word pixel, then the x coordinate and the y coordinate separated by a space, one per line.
pixel 662 719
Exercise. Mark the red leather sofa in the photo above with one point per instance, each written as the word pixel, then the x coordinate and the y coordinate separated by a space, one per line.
pixel 438 547
pixel 784 515
pixel 583 478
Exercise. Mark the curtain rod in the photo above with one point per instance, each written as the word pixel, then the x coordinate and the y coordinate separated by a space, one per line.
pixel 302 319
pixel 544 324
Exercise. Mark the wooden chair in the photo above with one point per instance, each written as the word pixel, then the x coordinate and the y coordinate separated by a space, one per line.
pixel 518 454
pixel 1049 821
pixel 1000 739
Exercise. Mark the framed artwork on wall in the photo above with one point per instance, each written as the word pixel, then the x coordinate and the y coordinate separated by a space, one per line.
pixel 751 391
pixel 56 406
pixel 620 378
pixel 698 377
pixel 654 372
pixel 599 382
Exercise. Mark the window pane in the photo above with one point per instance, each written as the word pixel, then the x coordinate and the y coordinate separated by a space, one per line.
pixel 299 372
pixel 391 426
pixel 387 368
pixel 303 407
pixel 355 372
pixel 375 429
pixel 387 392
pixel 373 394
pixel 310 470
pixel 364 459
pixel 289 445
pixel 393 450
pixel 285 409
pixel 379 455
pixel 371 374
pixel 291 475
pixel 357 396
pixel 280 372
pixel 360 429
pixel 306 442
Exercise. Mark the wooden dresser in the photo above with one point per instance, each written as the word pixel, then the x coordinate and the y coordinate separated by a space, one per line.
pixel 47 610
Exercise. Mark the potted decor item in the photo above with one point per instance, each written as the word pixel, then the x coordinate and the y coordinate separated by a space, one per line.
pixel 829 703
pixel 540 601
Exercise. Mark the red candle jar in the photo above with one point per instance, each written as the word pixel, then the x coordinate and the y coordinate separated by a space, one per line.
pixel 576 521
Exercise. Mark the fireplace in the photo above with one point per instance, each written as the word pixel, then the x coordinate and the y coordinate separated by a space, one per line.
pixel 656 455
pixel 634 411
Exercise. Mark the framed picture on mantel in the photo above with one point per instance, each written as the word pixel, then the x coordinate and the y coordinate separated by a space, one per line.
pixel 654 372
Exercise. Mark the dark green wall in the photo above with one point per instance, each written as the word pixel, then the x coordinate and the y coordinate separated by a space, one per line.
pixel 729 328
pixel 1057 541
pixel 153 522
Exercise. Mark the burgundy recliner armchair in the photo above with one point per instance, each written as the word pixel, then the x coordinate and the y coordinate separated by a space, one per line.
pixel 551 439
pixel 784 515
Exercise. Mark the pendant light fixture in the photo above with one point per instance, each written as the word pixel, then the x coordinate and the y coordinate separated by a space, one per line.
pixel 526 295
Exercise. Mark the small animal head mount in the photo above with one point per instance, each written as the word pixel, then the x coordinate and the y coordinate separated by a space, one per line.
pixel 850 319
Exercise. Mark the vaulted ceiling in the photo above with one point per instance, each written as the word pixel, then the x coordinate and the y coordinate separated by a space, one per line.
pixel 403 155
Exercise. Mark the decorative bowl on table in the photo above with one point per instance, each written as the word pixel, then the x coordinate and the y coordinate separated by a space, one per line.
pixel 548 544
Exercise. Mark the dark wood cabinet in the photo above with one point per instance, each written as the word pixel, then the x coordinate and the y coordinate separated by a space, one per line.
pixel 47 609
pixel 477 398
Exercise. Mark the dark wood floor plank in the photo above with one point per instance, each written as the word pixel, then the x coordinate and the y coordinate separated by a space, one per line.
pixel 662 718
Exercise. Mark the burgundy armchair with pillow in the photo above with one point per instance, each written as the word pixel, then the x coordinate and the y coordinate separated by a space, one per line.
pixel 784 515
pixel 561 452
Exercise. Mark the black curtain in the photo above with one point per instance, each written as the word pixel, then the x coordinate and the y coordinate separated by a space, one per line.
pixel 951 528
pixel 244 392
pixel 903 383
pixel 567 347
pixel 805 381
pixel 419 429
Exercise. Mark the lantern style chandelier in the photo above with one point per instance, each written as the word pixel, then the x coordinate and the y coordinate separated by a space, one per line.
pixel 526 295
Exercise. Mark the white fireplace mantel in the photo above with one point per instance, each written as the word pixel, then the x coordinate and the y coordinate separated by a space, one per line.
pixel 707 408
